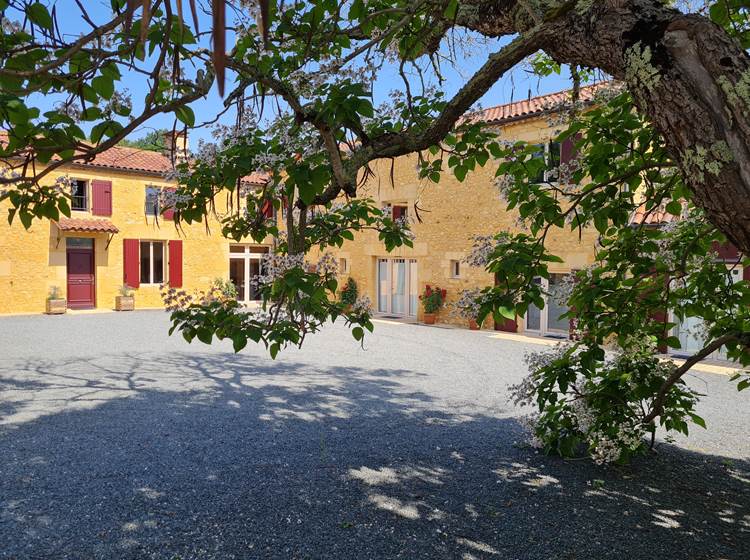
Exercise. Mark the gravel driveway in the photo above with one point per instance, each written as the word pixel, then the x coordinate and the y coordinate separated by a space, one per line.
pixel 117 441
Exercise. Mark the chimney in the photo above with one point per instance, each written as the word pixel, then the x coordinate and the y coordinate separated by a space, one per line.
pixel 176 146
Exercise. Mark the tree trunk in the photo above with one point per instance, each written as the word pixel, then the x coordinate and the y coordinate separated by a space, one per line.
pixel 687 75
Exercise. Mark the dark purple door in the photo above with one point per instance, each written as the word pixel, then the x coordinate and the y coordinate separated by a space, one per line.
pixel 81 282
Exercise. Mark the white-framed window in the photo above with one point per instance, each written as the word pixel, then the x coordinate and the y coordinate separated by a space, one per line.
pixel 343 265
pixel 455 269
pixel 550 151
pixel 152 262
pixel 151 205
pixel 79 199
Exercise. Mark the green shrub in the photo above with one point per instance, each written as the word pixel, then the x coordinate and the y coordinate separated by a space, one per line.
pixel 349 292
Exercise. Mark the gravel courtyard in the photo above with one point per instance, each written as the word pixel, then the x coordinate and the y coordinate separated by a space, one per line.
pixel 117 441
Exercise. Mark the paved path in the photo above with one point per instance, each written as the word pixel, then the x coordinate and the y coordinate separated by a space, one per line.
pixel 118 442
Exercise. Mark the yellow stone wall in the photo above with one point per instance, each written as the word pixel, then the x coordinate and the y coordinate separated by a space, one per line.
pixel 452 212
pixel 34 260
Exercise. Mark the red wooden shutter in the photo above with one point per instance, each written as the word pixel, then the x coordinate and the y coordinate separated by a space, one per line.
pixel 267 209
pixel 398 212
pixel 725 251
pixel 101 198
pixel 568 150
pixel 131 258
pixel 169 210
pixel 175 263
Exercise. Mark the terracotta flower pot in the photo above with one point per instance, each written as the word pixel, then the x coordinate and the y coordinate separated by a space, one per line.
pixel 473 325
pixel 124 303
pixel 429 318
pixel 56 306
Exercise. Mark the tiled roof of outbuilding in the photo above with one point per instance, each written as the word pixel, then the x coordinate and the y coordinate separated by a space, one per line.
pixel 135 159
pixel 534 106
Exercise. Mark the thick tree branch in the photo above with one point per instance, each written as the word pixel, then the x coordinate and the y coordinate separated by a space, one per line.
pixel 394 145
pixel 91 152
pixel 657 406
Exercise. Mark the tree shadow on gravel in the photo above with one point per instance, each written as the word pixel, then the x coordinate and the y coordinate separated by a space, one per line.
pixel 214 456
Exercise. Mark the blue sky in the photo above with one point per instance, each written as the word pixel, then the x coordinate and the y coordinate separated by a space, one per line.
pixel 516 85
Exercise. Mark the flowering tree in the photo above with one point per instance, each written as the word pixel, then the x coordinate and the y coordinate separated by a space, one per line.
pixel 675 141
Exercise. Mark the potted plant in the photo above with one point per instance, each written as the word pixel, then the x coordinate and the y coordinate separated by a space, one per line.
pixel 222 290
pixel 56 305
pixel 349 293
pixel 125 301
pixel 467 307
pixel 432 301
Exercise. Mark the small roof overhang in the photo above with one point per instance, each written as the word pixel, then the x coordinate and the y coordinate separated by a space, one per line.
pixel 87 225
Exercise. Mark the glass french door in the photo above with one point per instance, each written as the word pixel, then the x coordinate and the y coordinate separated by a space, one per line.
pixel 397 287
pixel 547 321
pixel 690 330
pixel 244 265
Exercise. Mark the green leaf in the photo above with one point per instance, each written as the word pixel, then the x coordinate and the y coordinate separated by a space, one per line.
pixel 507 312
pixel 239 342
pixel 98 131
pixel 697 420
pixel 674 208
pixel 26 220
pixel 460 172
pixel 744 384
pixel 186 115
pixel 358 333
pixel 673 342
pixel 39 15
pixel 64 206
pixel 204 335
pixel 104 86
pixel 451 9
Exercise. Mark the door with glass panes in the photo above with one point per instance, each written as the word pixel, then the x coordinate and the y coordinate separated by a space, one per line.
pixel 244 265
pixel 547 321
pixel 691 332
pixel 397 287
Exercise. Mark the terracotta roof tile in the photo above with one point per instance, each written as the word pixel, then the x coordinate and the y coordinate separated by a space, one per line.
pixel 88 225
pixel 535 105
pixel 135 159
pixel 131 159
pixel 655 217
